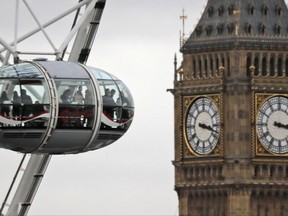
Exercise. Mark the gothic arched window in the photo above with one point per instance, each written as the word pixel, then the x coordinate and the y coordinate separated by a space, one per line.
pixel 249 28
pixel 198 30
pixel 251 10
pixel 265 10
pixel 228 66
pixel 210 11
pixel 256 64
pixel 194 68
pixel 230 28
pixel 200 68
pixel 264 66
pixel 211 65
pixel 230 10
pixel 272 66
pixel 278 10
pixel 221 11
pixel 256 171
pixel 220 28
pixel 205 67
pixel 248 64
pixel 262 28
pixel 208 30
pixel 286 73
pixel 279 67
pixel 277 29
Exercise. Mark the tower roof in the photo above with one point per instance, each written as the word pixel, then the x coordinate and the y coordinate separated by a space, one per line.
pixel 240 23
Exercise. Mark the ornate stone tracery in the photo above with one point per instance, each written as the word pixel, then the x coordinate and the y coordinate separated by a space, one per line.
pixel 241 63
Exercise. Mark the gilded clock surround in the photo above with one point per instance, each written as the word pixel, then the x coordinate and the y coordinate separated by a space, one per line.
pixel 259 99
pixel 189 151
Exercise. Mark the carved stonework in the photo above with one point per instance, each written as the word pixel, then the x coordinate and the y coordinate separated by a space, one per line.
pixel 236 60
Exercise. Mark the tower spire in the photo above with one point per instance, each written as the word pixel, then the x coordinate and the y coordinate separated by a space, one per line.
pixel 183 17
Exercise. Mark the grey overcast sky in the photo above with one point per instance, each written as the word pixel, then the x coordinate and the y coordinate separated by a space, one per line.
pixel 136 41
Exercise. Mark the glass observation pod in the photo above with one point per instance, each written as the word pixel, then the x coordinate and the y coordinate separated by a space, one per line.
pixel 61 107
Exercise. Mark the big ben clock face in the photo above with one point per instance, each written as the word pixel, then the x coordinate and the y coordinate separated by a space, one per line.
pixel 202 126
pixel 272 125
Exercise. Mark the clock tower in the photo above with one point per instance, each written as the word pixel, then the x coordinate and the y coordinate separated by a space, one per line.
pixel 231 111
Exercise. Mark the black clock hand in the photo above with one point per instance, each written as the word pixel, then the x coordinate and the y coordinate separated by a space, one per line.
pixel 204 126
pixel 280 125
pixel 208 127
pixel 211 129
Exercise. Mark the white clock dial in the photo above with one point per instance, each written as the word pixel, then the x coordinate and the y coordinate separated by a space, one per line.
pixel 272 125
pixel 202 126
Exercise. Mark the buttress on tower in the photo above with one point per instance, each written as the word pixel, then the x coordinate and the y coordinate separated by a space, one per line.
pixel 231 111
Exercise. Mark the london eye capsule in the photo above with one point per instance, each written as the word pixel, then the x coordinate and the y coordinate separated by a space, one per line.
pixel 59 107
